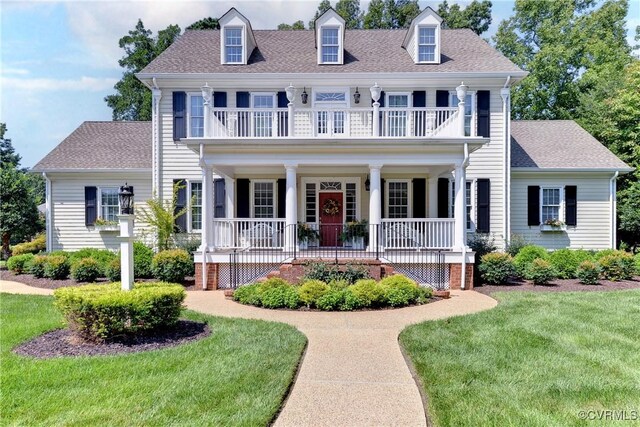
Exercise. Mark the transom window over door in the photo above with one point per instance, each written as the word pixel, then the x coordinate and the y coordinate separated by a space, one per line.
pixel 233 45
pixel 109 206
pixel 398 205
pixel 330 45
pixel 397 114
pixel 331 117
pixel 263 120
pixel 426 44
pixel 263 199
pixel 551 202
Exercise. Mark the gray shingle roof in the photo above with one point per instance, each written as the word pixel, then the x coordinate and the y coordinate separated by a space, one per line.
pixel 102 145
pixel 558 144
pixel 198 51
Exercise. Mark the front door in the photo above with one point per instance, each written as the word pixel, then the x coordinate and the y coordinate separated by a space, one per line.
pixel 331 214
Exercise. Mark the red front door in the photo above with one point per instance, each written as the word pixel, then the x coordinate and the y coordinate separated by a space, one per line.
pixel 331 214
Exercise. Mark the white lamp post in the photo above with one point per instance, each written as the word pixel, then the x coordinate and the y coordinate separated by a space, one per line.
pixel 126 216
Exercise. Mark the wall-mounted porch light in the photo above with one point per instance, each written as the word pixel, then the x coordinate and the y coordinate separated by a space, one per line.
pixel 367 184
pixel 356 97
pixel 304 96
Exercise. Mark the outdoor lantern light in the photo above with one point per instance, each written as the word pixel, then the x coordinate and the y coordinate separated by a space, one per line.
pixel 356 97
pixel 376 91
pixel 367 184
pixel 126 199
pixel 291 92
pixel 304 96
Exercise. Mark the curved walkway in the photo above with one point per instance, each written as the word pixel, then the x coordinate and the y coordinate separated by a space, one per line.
pixel 353 373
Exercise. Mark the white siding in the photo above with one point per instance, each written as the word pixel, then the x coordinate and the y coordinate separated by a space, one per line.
pixel 68 213
pixel 594 211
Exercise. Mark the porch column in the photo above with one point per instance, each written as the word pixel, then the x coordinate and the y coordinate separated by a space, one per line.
pixel 375 206
pixel 291 93
pixel 230 202
pixel 207 207
pixel 433 197
pixel 207 96
pixel 460 211
pixel 461 93
pixel 291 209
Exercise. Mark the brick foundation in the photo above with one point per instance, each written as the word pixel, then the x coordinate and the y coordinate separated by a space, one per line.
pixel 455 271
pixel 212 276
pixel 294 271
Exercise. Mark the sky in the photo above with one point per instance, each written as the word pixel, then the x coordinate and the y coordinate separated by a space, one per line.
pixel 59 59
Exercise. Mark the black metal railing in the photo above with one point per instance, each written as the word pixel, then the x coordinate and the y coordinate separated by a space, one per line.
pixel 427 267
pixel 335 241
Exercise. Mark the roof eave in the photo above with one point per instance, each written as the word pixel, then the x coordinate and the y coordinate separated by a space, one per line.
pixel 622 170
pixel 37 169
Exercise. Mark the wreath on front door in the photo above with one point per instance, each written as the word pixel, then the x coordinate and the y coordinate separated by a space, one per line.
pixel 331 207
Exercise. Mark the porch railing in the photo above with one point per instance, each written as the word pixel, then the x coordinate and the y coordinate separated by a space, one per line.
pixel 418 233
pixel 246 233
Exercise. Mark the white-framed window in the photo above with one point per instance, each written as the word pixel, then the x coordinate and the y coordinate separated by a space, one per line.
pixel 263 120
pixel 330 45
pixel 469 111
pixel 426 44
pixel 398 200
pixel 195 114
pixel 195 200
pixel 470 204
pixel 263 198
pixel 109 205
pixel 551 204
pixel 397 104
pixel 331 122
pixel 233 45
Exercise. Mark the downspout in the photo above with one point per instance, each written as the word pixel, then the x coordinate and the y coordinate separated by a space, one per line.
pixel 614 219
pixel 463 272
pixel 506 172
pixel 47 213
pixel 203 243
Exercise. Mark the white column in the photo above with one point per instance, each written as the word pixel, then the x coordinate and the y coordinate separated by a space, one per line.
pixel 375 205
pixel 461 93
pixel 460 210
pixel 291 93
pixel 291 209
pixel 126 251
pixel 207 95
pixel 433 197
pixel 376 91
pixel 230 192
pixel 207 208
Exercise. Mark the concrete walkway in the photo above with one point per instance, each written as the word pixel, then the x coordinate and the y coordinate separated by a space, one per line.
pixel 353 373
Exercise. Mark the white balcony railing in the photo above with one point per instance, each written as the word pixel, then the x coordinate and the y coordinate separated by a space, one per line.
pixel 232 123
pixel 427 233
pixel 245 233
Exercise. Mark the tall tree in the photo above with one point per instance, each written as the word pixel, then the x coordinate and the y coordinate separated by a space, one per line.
pixel 476 16
pixel 133 99
pixel 8 155
pixel 298 25
pixel 390 13
pixel 374 18
pixel 205 24
pixel 566 46
pixel 322 8
pixel 350 11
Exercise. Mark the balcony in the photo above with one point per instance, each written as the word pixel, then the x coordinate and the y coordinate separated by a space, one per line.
pixel 334 123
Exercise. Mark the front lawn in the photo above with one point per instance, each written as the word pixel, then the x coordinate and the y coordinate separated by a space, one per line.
pixel 538 359
pixel 237 376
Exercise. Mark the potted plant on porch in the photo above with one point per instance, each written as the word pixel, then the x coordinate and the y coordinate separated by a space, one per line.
pixel 355 234
pixel 306 235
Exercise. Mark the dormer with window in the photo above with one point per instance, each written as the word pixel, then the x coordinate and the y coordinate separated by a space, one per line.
pixel 330 38
pixel 423 38
pixel 236 38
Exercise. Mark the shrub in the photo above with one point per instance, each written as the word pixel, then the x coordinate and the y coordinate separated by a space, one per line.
pixel 172 265
pixel 540 272
pixel 311 290
pixel 20 263
pixel 637 263
pixel 328 273
pixel 105 312
pixel 279 297
pixel 37 264
pixel 112 271
pixel 338 284
pixel 566 262
pixel 56 267
pixel 142 260
pixel 399 290
pixel 618 265
pixel 526 256
pixel 332 300
pixel 482 244
pixel 603 253
pixel 515 245
pixel 496 268
pixel 102 256
pixel 86 270
pixel 38 244
pixel 248 294
pixel 273 282
pixel 350 300
pixel 368 292
pixel 588 272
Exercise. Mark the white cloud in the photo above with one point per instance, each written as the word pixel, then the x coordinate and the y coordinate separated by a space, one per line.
pixel 14 71
pixel 84 83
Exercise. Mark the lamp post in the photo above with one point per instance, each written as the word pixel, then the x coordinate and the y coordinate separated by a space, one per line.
pixel 125 197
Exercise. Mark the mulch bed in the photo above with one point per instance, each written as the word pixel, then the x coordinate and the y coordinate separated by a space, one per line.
pixel 559 285
pixel 31 280
pixel 62 343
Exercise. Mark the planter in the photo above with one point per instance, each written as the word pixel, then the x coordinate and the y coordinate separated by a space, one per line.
pixel 442 293
pixel 552 228
pixel 108 228
pixel 303 246
pixel 357 242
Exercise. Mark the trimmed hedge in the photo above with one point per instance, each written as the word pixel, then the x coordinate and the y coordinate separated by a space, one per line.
pixel 20 263
pixel 56 267
pixel 540 272
pixel 496 268
pixel 142 260
pixel 588 272
pixel 399 290
pixel 566 262
pixel 104 312
pixel 368 292
pixel 311 290
pixel 37 264
pixel 637 263
pixel 112 271
pixel 86 270
pixel 172 265
pixel 37 245
pixel 102 256
pixel 526 256
pixel 617 265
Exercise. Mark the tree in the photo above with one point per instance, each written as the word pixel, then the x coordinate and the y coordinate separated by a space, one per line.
pixel 205 24
pixel 8 156
pixel 476 16
pixel 133 99
pixel 566 46
pixel 298 25
pixel 374 18
pixel 350 11
pixel 322 8
pixel 390 14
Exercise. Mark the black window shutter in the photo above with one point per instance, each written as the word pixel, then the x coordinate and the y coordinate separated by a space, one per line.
pixel 282 198
pixel 533 205
pixel 90 205
pixel 419 198
pixel 219 99
pixel 243 101
pixel 419 98
pixel 484 113
pixel 483 197
pixel 243 192
pixel 179 115
pixel 419 118
pixel 383 202
pixel 283 125
pixel 181 203
pixel 382 98
pixel 442 98
pixel 443 198
pixel 220 197
pixel 571 204
pixel 283 102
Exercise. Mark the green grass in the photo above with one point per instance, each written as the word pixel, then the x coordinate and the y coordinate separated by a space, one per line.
pixel 535 360
pixel 237 376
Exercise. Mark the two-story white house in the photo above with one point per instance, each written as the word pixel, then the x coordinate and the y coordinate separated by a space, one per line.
pixel 269 134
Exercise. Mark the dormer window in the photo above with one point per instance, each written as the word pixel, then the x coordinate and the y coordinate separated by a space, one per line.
pixel 233 45
pixel 426 44
pixel 330 45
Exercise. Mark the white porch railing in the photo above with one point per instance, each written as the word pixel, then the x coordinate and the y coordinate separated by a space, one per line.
pixel 244 233
pixel 427 233
pixel 232 123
